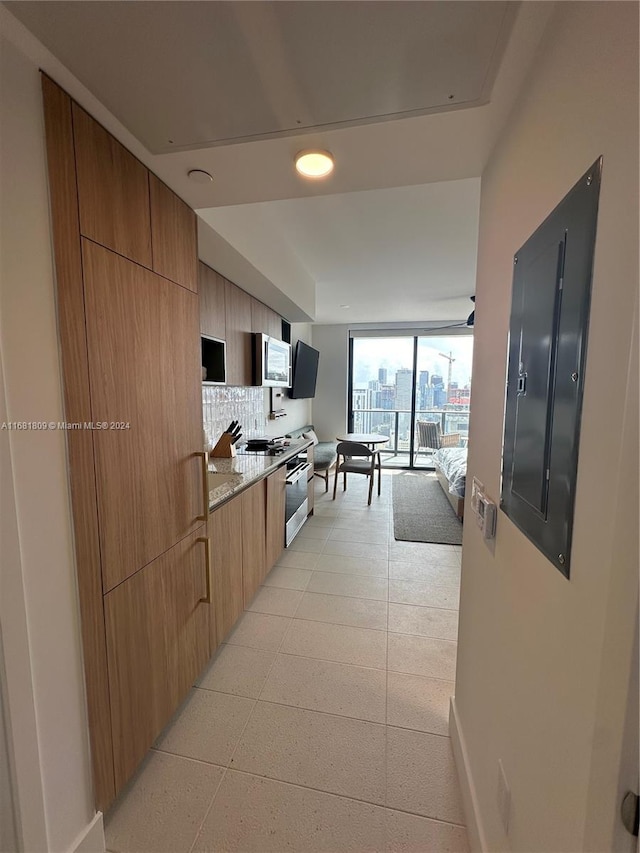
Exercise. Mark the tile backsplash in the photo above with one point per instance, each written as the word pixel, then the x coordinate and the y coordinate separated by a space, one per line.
pixel 223 404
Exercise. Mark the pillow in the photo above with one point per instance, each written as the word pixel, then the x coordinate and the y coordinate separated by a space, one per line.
pixel 312 435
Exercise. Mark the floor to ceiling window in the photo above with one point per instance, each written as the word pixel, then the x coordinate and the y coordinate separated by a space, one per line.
pixel 413 388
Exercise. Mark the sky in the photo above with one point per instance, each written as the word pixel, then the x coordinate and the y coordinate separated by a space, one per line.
pixel 394 353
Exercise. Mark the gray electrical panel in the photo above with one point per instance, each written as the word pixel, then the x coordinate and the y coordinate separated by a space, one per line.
pixel 545 380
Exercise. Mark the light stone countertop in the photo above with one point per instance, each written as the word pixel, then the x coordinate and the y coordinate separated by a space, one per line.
pixel 228 477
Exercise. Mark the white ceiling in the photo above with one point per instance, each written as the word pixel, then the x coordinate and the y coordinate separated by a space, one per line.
pixel 193 74
pixel 398 254
pixel 396 200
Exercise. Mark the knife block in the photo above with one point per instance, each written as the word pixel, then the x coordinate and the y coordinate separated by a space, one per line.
pixel 224 449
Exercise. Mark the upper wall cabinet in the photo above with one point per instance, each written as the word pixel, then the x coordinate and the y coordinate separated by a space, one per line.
pixel 263 319
pixel 173 229
pixel 211 287
pixel 238 335
pixel 113 191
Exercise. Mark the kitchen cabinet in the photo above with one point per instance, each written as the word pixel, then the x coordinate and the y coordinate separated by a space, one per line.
pixel 276 487
pixel 174 238
pixel 253 508
pixel 113 191
pixel 77 407
pixel 264 320
pixel 238 335
pixel 144 375
pixel 157 629
pixel 225 534
pixel 211 288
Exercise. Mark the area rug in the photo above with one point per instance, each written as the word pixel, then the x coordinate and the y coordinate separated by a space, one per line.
pixel 421 511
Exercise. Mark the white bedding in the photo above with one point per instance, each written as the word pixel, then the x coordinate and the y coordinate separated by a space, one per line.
pixel 452 461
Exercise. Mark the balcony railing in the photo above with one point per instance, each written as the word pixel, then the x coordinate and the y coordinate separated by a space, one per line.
pixel 396 423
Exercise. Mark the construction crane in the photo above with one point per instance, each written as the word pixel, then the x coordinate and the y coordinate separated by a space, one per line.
pixel 450 359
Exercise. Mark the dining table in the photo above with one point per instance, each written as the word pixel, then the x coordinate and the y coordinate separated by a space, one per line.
pixel 369 438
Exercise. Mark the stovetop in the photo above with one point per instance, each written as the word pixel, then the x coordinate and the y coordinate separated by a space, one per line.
pixel 263 451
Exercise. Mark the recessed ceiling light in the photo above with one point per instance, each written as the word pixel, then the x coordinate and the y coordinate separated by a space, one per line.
pixel 199 176
pixel 314 164
pixel 345 306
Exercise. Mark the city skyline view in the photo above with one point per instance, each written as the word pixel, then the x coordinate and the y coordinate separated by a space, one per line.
pixel 389 398
pixel 393 354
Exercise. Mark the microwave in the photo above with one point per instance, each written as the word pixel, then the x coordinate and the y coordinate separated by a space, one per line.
pixel 272 360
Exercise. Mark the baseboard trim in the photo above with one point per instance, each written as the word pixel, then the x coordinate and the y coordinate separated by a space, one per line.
pixel 91 839
pixel 473 818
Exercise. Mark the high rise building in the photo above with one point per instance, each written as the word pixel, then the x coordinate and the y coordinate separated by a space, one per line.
pixel 439 396
pixel 423 389
pixel 404 387
pixel 382 375
pixel 388 397
pixel 439 392
pixel 360 418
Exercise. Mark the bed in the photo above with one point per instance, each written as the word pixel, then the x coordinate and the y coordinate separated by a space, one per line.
pixel 451 470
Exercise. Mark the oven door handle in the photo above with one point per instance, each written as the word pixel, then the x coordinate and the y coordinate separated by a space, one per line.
pixel 297 473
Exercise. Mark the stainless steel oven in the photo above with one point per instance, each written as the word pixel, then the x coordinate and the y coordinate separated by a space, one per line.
pixel 296 503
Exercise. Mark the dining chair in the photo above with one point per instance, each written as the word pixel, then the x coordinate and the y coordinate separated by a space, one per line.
pixel 357 459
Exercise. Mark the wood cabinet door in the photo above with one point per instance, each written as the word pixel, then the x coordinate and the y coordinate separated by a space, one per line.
pixel 173 233
pixel 225 533
pixel 275 325
pixel 157 630
pixel 144 373
pixel 265 320
pixel 276 487
pixel 238 331
pixel 253 539
pixel 113 191
pixel 211 287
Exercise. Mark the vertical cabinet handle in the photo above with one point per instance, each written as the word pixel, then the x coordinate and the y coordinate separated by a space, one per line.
pixel 204 456
pixel 207 555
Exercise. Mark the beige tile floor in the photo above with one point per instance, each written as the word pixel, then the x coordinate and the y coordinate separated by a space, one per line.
pixel 322 723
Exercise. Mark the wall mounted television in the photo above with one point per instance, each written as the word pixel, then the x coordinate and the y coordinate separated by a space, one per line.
pixel 305 372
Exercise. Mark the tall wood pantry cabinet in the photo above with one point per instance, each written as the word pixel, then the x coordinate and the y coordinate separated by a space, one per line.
pixel 126 271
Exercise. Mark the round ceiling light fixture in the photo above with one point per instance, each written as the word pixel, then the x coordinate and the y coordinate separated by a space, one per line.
pixel 314 163
pixel 199 176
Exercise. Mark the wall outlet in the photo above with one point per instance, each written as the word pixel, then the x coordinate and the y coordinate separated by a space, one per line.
pixel 503 798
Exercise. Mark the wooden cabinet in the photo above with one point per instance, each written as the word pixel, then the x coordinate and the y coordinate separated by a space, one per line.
pixel 129 341
pixel 211 287
pixel 225 535
pixel 174 238
pixel 275 325
pixel 157 630
pixel 253 539
pixel 144 374
pixel 276 487
pixel 264 320
pixel 238 335
pixel 113 191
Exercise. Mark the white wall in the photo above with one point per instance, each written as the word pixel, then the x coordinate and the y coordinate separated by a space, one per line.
pixel 38 604
pixel 330 403
pixel 298 411
pixel 533 646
